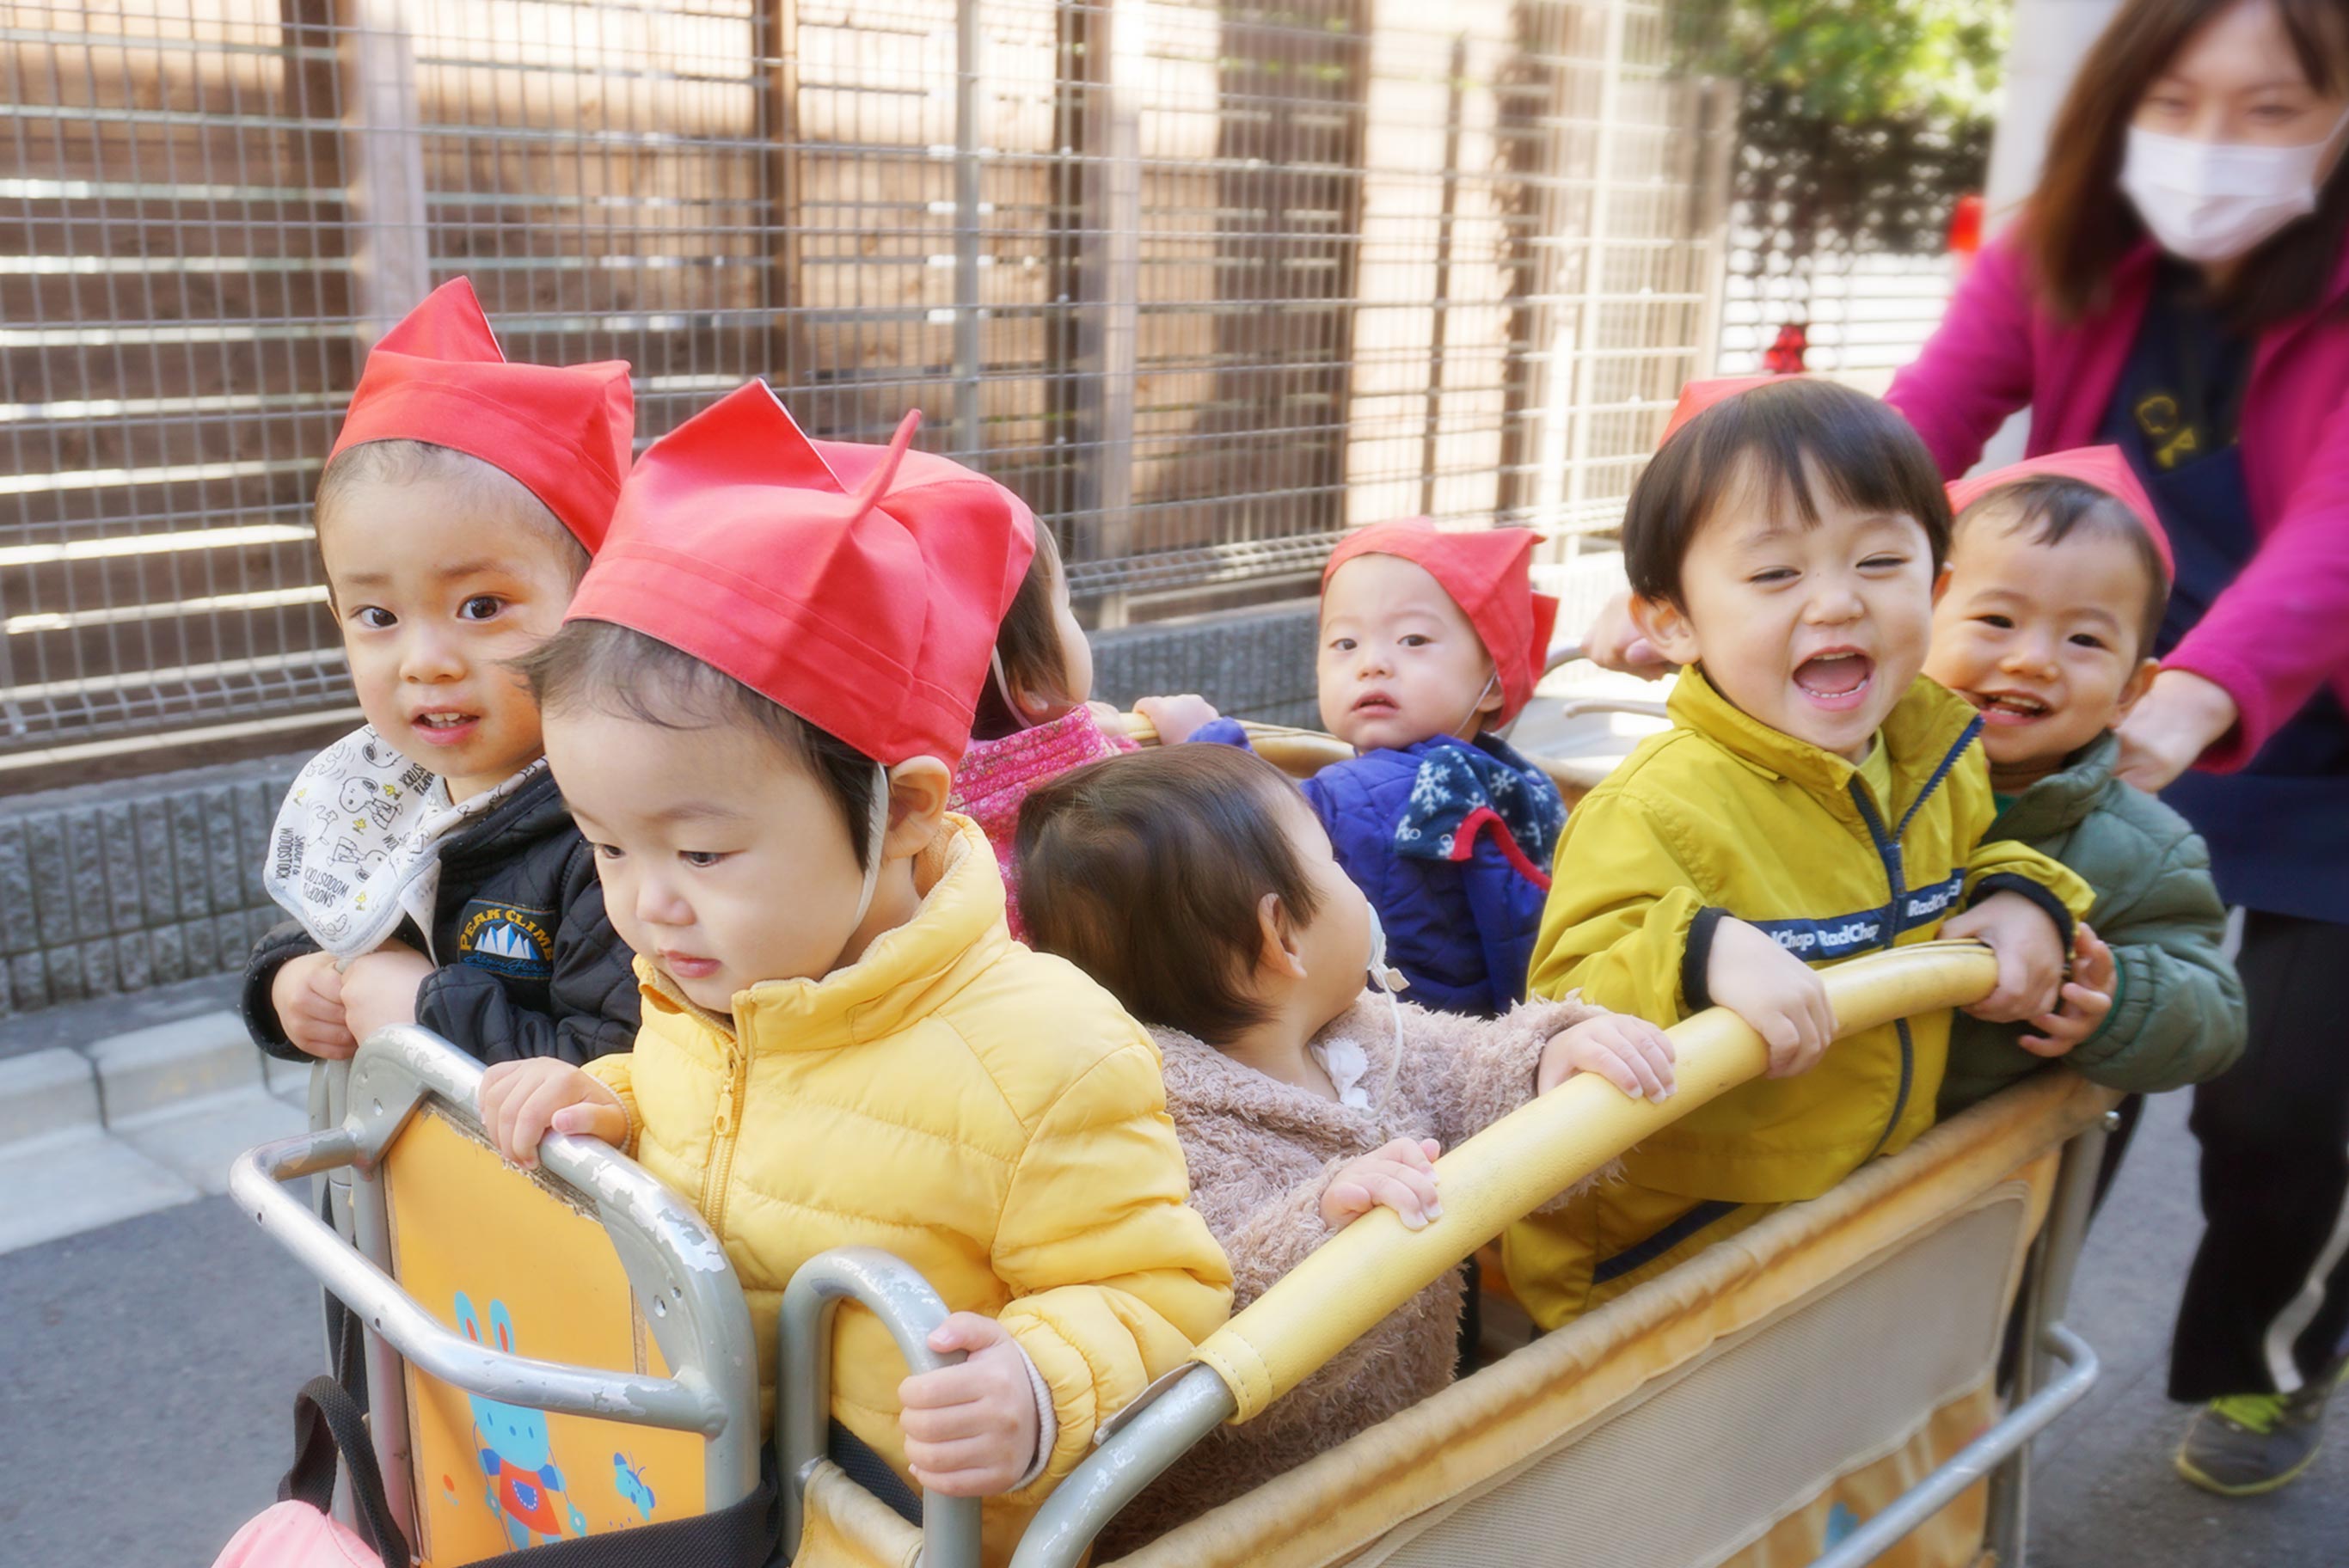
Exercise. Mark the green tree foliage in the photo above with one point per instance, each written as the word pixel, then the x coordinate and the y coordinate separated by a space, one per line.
pixel 1861 122
pixel 1853 62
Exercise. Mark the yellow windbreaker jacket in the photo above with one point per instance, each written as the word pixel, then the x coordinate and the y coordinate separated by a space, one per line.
pixel 987 1113
pixel 1721 815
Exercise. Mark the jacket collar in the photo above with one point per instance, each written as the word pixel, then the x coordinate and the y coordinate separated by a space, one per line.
pixel 1923 735
pixel 1203 1081
pixel 2064 799
pixel 957 931
pixel 533 811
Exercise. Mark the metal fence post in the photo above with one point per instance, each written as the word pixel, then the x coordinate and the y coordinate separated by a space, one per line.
pixel 1109 319
pixel 967 216
pixel 390 250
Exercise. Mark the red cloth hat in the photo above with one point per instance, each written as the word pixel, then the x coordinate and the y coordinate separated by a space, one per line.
pixel 1698 395
pixel 1489 574
pixel 564 430
pixel 858 586
pixel 2104 468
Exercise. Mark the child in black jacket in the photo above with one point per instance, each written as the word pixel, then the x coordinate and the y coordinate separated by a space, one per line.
pixel 432 872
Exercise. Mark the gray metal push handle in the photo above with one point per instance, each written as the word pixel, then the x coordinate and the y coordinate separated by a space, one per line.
pixel 681 1404
pixel 675 1265
pixel 894 1292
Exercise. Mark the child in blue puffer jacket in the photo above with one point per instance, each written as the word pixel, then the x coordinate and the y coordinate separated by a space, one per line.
pixel 1430 643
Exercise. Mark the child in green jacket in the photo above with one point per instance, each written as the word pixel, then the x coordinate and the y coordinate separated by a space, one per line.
pixel 2043 618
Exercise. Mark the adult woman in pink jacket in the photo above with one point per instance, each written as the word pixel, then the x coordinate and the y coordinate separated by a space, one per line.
pixel 2178 285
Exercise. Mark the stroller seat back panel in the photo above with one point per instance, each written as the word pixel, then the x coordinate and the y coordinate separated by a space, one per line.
pixel 1927 1246
pixel 1771 1436
pixel 510 1263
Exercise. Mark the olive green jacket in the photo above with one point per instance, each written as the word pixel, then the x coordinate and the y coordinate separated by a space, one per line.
pixel 2177 1016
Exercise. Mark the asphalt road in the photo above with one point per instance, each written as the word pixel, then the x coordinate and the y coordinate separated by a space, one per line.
pixel 147 1373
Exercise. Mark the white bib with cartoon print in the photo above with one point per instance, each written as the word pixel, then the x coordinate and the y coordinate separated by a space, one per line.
pixel 357 846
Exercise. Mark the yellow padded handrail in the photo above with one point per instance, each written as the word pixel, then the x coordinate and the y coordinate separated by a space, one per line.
pixel 1520 1162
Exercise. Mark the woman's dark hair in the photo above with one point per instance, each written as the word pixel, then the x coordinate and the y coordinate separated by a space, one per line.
pixel 628 675
pixel 1027 645
pixel 1146 872
pixel 1870 459
pixel 2080 224
pixel 2051 508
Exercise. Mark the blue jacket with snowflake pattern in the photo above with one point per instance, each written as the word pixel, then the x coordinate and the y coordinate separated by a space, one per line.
pixel 1449 840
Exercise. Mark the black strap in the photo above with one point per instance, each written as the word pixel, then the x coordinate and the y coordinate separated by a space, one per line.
pixel 868 1470
pixel 328 1423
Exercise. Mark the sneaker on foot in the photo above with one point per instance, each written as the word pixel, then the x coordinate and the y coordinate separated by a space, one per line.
pixel 2245 1444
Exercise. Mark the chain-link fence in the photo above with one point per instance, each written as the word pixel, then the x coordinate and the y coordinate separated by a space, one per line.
pixel 1207 283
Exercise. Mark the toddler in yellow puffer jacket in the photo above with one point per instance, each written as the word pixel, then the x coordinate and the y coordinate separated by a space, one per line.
pixel 753 709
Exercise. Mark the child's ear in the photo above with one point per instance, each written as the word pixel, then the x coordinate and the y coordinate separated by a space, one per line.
pixel 1665 624
pixel 1488 706
pixel 918 789
pixel 1279 949
pixel 2139 683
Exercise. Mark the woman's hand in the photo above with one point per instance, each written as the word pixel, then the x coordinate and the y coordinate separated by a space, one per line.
pixel 2183 715
pixel 1613 642
pixel 1630 1053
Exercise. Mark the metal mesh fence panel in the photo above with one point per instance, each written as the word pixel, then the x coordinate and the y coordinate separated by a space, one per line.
pixel 1206 283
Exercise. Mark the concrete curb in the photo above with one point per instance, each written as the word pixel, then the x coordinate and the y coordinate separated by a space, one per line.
pixel 48 1092
pixel 158 1069
pixel 135 1122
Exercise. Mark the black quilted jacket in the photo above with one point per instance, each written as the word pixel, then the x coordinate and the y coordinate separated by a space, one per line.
pixel 530 965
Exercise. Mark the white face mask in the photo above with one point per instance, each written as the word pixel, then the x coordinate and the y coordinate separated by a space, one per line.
pixel 2214 200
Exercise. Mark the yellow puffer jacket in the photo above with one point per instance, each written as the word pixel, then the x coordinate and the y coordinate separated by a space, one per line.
pixel 1721 815
pixel 987 1113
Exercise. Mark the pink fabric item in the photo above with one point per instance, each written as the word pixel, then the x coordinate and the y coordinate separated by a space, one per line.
pixel 2282 629
pixel 996 777
pixel 296 1535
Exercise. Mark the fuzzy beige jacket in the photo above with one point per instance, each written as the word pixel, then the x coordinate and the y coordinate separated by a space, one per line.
pixel 1260 1153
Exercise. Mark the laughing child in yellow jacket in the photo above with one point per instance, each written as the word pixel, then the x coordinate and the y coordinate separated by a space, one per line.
pixel 753 709
pixel 1814 799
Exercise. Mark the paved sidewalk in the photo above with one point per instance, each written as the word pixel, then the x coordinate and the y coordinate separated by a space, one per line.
pixel 2106 1495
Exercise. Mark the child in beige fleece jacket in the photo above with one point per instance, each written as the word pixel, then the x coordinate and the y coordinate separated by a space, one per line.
pixel 1198 887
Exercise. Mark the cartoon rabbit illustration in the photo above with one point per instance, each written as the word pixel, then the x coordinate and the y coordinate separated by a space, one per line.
pixel 515 1450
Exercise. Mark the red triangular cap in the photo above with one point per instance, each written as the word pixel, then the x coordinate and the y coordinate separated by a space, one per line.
pixel 2105 468
pixel 1698 395
pixel 859 586
pixel 564 431
pixel 1488 572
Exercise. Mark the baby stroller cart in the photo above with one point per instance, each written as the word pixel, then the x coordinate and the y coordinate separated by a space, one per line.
pixel 548 1358
pixel 1818 1389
